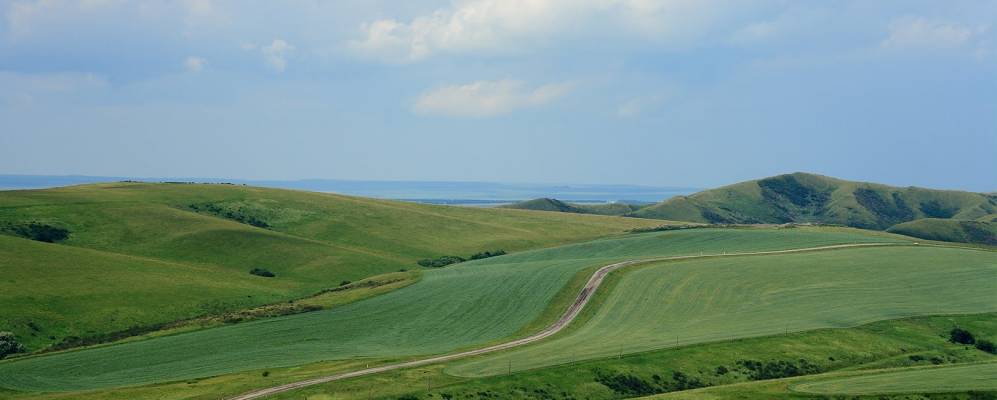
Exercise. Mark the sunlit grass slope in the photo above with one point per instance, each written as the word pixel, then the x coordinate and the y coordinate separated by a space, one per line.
pixel 952 378
pixel 454 307
pixel 687 302
pixel 130 236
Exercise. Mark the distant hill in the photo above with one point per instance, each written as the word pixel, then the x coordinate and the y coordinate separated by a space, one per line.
pixel 802 197
pixel 547 204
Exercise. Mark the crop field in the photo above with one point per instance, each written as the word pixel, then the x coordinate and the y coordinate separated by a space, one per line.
pixel 707 300
pixel 141 254
pixel 454 307
pixel 952 378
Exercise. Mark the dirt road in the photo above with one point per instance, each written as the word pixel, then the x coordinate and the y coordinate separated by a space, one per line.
pixel 569 315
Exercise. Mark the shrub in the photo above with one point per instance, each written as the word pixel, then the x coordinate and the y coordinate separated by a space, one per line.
pixel 987 346
pixel 440 262
pixel 266 374
pixel 758 370
pixel 262 272
pixel 37 231
pixel 961 336
pixel 487 254
pixel 344 283
pixel 626 384
pixel 9 345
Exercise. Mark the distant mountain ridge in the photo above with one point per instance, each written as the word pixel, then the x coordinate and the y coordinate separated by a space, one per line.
pixel 549 204
pixel 802 197
pixel 946 215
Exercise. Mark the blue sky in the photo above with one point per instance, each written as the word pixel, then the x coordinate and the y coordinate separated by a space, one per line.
pixel 671 92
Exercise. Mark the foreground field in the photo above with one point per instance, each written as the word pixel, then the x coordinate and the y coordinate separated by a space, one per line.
pixel 460 306
pixel 954 378
pixel 141 254
pixel 688 302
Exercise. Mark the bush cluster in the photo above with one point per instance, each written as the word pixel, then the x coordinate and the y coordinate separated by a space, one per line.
pixel 238 215
pixel 759 370
pixel 440 261
pixel 262 272
pixel 487 254
pixel 447 260
pixel 37 231
pixel 626 384
pixel 9 345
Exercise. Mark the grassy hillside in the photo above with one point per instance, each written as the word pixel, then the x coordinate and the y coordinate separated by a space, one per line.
pixel 893 343
pixel 949 230
pixel 950 378
pixel 687 302
pixel 140 254
pixel 458 306
pixel 801 197
pixel 546 204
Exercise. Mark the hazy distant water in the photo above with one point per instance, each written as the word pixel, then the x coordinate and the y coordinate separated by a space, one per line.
pixel 482 194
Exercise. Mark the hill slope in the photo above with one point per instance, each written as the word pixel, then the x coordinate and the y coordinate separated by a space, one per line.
pixel 459 306
pixel 801 197
pixel 949 230
pixel 154 253
pixel 548 204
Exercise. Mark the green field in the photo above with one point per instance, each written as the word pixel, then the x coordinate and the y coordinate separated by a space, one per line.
pixel 459 306
pixel 953 378
pixel 140 255
pixel 688 302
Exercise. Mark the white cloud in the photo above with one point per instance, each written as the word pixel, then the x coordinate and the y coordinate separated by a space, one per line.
pixel 274 54
pixel 502 26
pixel 487 98
pixel 638 106
pixel 916 32
pixel 194 64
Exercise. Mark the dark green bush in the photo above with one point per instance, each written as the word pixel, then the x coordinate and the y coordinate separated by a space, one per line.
pixel 961 336
pixel 262 272
pixel 487 254
pixel 440 262
pixel 9 345
pixel 987 346
pixel 37 231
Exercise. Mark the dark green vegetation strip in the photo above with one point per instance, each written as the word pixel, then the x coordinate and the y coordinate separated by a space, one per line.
pixel 141 250
pixel 455 307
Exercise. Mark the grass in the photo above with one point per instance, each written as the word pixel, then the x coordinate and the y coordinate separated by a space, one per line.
pixel 951 378
pixel 688 302
pixel 142 251
pixel 455 307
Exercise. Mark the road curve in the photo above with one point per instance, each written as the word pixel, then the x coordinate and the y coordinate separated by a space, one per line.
pixel 568 316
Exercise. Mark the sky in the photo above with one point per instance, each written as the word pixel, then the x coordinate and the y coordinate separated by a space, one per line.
pixel 655 92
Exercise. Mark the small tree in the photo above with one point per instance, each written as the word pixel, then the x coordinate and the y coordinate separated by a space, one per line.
pixel 961 336
pixel 9 345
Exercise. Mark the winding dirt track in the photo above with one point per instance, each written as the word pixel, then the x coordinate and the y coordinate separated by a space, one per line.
pixel 569 315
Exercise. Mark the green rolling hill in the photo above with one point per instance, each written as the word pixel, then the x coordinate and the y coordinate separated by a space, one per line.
pixel 141 254
pixel 462 305
pixel 547 204
pixel 804 198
